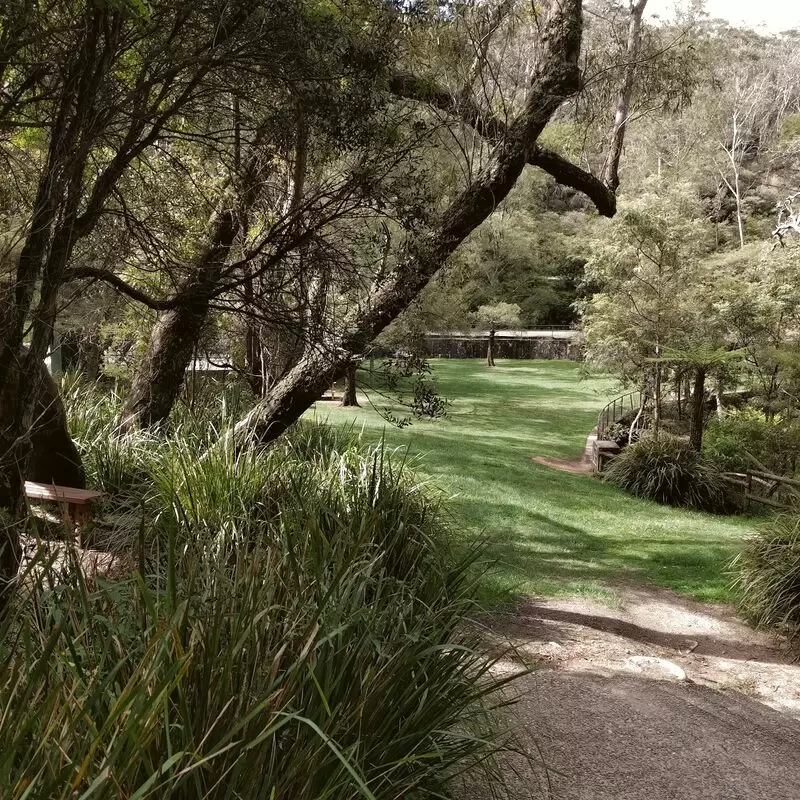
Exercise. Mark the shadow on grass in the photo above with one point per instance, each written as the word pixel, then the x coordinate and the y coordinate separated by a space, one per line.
pixel 548 532
pixel 529 614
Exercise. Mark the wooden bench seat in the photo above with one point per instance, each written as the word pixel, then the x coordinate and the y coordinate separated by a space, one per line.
pixel 77 502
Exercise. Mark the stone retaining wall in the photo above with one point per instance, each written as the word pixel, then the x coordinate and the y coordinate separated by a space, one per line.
pixel 504 347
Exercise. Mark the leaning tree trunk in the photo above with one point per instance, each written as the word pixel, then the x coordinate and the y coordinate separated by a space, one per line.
pixel 350 398
pixel 162 372
pixel 555 78
pixel 698 409
pixel 161 375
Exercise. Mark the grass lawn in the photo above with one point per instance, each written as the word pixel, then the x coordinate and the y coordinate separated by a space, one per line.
pixel 548 532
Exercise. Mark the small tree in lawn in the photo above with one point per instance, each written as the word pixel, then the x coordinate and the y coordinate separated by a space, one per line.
pixel 349 396
pixel 497 315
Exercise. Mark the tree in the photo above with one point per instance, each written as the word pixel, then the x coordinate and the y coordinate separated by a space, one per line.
pixel 105 101
pixel 424 250
pixel 634 41
pixel 648 266
pixel 90 92
pixel 788 217
pixel 502 315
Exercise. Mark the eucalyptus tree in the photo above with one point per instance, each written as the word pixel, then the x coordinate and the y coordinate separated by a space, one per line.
pixel 337 215
pixel 494 141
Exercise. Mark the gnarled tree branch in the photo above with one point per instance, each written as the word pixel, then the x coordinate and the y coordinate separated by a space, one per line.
pixel 555 79
pixel 411 87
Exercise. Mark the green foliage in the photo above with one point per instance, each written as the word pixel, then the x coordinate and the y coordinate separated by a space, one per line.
pixel 498 315
pixel 301 631
pixel 790 128
pixel 653 287
pixel 666 469
pixel 774 442
pixel 767 575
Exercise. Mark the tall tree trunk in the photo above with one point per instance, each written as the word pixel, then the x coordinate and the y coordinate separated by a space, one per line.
pixel 657 379
pixel 350 397
pixel 698 408
pixel 490 349
pixel 172 344
pixel 34 445
pixel 53 227
pixel 161 375
pixel 555 78
pixel 611 166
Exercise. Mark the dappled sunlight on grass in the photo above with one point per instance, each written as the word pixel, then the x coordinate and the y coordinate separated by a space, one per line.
pixel 547 532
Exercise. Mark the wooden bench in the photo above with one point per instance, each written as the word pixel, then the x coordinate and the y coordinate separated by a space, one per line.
pixel 331 396
pixel 604 450
pixel 76 503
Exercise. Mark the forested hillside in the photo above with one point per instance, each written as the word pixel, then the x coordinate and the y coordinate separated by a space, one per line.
pixel 713 132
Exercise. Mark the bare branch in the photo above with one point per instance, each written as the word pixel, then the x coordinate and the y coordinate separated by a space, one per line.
pixel 788 217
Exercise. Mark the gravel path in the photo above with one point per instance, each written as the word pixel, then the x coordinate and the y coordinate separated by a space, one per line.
pixel 660 698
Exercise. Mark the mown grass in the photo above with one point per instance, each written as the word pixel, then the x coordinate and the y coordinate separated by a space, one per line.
pixel 548 532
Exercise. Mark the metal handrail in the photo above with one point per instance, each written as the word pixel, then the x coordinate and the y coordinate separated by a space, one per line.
pixel 617 408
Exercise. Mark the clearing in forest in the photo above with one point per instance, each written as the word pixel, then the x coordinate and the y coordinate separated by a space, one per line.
pixel 549 532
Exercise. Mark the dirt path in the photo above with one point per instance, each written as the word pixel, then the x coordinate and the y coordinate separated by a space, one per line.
pixel 660 698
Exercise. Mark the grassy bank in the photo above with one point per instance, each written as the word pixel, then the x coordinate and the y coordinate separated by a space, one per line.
pixel 549 532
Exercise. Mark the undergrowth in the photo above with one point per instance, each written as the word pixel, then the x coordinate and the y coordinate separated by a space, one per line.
pixel 298 628
pixel 767 575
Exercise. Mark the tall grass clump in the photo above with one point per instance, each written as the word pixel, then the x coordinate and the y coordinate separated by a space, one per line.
pixel 117 462
pixel 303 632
pixel 767 575
pixel 668 470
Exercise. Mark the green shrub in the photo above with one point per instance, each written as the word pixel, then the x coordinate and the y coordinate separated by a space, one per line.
pixel 775 443
pixel 302 632
pixel 767 575
pixel 668 471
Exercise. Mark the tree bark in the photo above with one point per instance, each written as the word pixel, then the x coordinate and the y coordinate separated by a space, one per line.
pixel 490 349
pixel 698 408
pixel 34 446
pixel 255 369
pixel 719 392
pixel 172 344
pixel 611 167
pixel 350 397
pixel 555 78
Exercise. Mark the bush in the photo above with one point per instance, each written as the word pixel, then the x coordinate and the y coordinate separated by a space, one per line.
pixel 767 575
pixel 775 443
pixel 668 470
pixel 302 632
